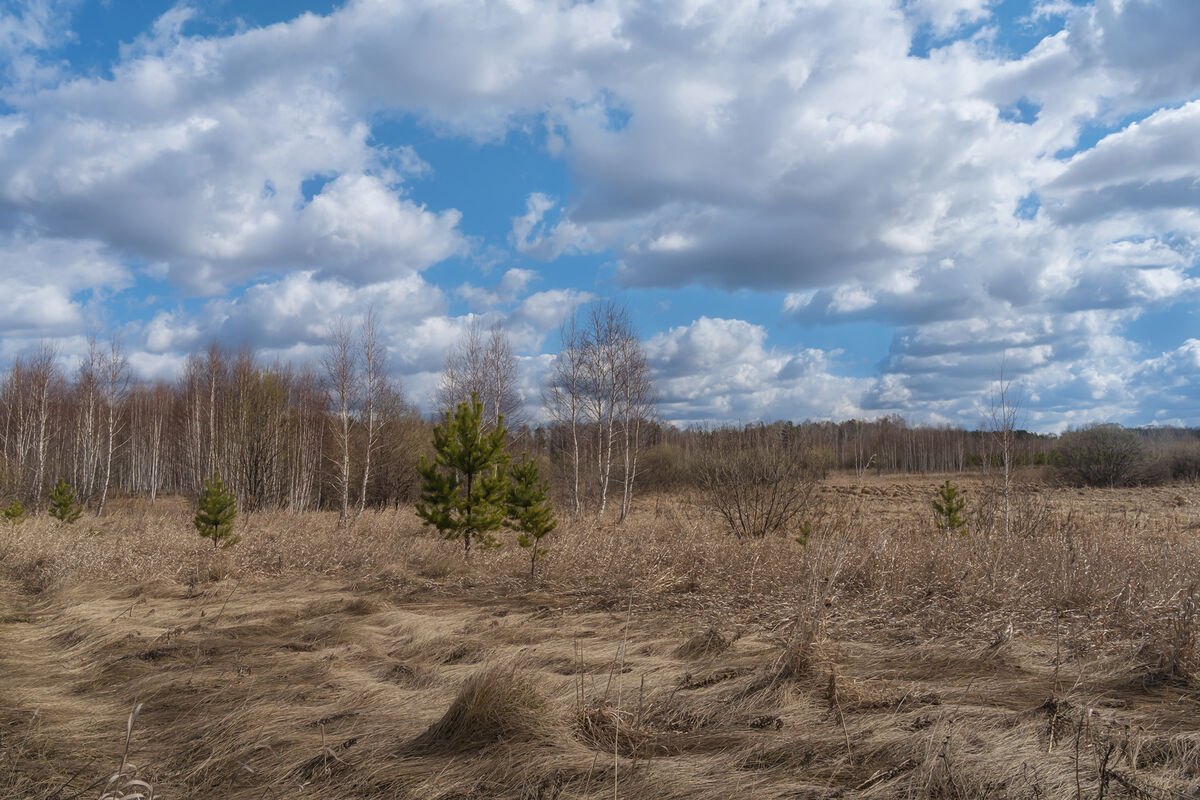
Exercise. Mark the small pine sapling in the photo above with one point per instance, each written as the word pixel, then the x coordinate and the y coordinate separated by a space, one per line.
pixel 14 513
pixel 464 488
pixel 530 513
pixel 62 503
pixel 948 509
pixel 215 513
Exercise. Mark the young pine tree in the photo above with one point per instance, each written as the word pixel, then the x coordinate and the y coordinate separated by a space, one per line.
pixel 62 503
pixel 215 513
pixel 13 513
pixel 529 511
pixel 463 490
pixel 948 508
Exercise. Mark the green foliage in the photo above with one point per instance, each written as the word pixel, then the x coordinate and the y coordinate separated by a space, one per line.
pixel 62 503
pixel 215 513
pixel 464 490
pixel 948 508
pixel 14 513
pixel 529 513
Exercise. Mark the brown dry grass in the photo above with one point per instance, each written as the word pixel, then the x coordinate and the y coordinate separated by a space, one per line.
pixel 659 659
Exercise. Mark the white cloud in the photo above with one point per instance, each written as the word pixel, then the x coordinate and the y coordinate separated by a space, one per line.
pixel 795 149
pixel 532 236
pixel 720 369
pixel 948 15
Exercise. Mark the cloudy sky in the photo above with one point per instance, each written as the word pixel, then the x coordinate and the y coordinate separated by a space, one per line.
pixel 813 209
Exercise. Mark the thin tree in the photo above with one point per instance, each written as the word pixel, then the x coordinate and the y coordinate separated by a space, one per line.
pixel 563 398
pixel 41 374
pixel 606 323
pixel 375 386
pixel 342 381
pixel 1003 413
pixel 638 407
pixel 529 511
pixel 114 387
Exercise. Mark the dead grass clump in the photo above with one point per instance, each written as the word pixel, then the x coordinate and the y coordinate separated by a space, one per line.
pixel 704 644
pixel 500 702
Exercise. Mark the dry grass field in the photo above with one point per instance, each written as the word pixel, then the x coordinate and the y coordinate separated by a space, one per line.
pixel 656 659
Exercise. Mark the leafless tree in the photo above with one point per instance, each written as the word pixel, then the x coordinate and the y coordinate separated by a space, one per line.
pixel 375 386
pixel 307 421
pixel 114 374
pixel 1003 413
pixel 563 397
pixel 343 385
pixel 606 327
pixel 638 409
pixel 601 382
pixel 42 373
pixel 483 364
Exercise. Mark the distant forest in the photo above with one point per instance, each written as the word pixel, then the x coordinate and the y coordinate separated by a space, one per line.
pixel 291 437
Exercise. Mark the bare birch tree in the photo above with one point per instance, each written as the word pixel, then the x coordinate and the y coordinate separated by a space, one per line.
pixel 1004 410
pixel 114 374
pixel 563 397
pixel 638 409
pixel 375 386
pixel 483 364
pixel 340 363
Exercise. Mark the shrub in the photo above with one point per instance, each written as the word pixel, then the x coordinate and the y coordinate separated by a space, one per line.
pixel 756 483
pixel 14 513
pixel 948 508
pixel 1184 463
pixel 62 503
pixel 1101 455
pixel 217 509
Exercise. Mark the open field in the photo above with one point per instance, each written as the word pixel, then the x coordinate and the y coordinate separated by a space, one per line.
pixel 657 659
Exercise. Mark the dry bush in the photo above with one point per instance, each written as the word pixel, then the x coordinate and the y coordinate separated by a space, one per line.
pixel 758 483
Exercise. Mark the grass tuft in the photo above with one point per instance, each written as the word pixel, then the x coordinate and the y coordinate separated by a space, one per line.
pixel 500 702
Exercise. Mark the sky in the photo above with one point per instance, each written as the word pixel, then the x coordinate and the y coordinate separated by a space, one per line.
pixel 815 209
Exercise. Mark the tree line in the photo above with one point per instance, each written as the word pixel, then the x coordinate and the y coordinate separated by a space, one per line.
pixel 337 434
pixel 340 434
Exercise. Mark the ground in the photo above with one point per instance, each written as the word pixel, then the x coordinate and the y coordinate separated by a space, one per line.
pixel 657 659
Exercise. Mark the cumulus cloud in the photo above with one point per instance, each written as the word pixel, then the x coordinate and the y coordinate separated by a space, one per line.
pixel 718 369
pixel 797 150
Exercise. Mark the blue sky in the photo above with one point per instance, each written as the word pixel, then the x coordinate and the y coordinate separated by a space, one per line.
pixel 812 209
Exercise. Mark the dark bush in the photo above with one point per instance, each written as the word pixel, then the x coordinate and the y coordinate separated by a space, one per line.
pixel 1184 462
pixel 1101 455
